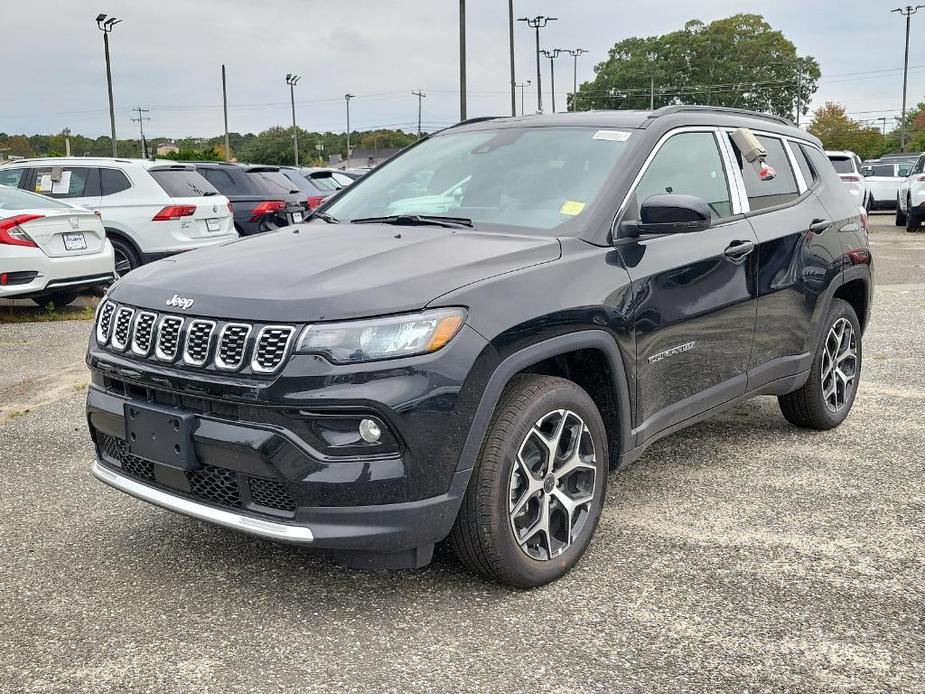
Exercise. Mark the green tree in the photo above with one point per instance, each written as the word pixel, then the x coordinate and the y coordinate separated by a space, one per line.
pixel 18 146
pixel 832 125
pixel 740 61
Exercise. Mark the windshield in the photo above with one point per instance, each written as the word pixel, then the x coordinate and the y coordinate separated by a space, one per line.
pixel 538 178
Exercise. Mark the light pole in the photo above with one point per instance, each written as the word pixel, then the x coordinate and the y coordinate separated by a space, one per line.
pixel 510 28
pixel 574 53
pixel 523 86
pixel 420 95
pixel 552 55
pixel 462 60
pixel 225 109
pixel 347 98
pixel 67 141
pixel 906 12
pixel 105 25
pixel 538 23
pixel 292 81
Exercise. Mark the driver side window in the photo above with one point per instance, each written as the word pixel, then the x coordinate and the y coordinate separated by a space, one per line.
pixel 688 164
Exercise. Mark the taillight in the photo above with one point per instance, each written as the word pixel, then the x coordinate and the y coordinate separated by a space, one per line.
pixel 12 233
pixel 851 179
pixel 315 201
pixel 174 212
pixel 266 207
pixel 230 208
pixel 920 178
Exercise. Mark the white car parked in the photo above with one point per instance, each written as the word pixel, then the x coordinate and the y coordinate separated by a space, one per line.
pixel 910 200
pixel 50 250
pixel 848 167
pixel 150 209
pixel 883 178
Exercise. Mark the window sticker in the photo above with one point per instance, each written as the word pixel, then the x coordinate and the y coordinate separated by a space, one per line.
pixel 571 207
pixel 612 135
pixel 44 183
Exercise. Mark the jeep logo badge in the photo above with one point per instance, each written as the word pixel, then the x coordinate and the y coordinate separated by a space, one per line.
pixel 179 302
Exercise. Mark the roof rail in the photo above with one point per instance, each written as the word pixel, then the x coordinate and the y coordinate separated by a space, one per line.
pixel 681 108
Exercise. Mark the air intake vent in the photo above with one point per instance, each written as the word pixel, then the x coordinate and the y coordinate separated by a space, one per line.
pixel 168 338
pixel 232 342
pixel 144 332
pixel 272 343
pixel 104 322
pixel 198 342
pixel 120 333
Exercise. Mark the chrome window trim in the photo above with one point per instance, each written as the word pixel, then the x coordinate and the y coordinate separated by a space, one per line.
pixel 255 367
pixel 134 341
pixel 158 353
pixel 218 361
pixel 128 335
pixel 186 357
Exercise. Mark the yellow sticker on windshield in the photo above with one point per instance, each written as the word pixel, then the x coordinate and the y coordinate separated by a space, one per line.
pixel 571 207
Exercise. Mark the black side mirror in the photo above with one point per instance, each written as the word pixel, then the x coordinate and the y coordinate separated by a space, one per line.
pixel 673 214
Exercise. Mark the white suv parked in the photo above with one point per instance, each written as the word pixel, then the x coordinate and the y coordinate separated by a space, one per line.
pixel 910 200
pixel 848 167
pixel 151 209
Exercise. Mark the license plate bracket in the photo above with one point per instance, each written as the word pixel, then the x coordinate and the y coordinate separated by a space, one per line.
pixel 213 225
pixel 161 434
pixel 75 242
pixel 296 218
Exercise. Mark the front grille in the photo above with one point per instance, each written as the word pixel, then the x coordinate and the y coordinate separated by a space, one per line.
pixel 120 333
pixel 272 344
pixel 210 483
pixel 143 333
pixel 168 338
pixel 104 322
pixel 194 342
pixel 198 342
pixel 231 345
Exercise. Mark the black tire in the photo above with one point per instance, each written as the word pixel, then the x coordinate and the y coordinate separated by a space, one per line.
pixel 913 221
pixel 807 407
pixel 870 205
pixel 900 215
pixel 125 255
pixel 59 299
pixel 483 537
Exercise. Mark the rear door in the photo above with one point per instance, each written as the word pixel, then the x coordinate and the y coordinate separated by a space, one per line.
pixel 693 293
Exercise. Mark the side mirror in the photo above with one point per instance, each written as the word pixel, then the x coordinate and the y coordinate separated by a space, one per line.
pixel 867 172
pixel 673 214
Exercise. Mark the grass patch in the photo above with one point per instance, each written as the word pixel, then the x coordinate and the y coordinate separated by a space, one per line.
pixel 17 413
pixel 47 313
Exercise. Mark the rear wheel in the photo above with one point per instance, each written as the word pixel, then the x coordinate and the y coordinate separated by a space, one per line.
pixel 827 396
pixel 125 256
pixel 913 220
pixel 900 215
pixel 59 299
pixel 538 487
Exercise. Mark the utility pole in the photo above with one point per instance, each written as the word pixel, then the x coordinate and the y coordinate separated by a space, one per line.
pixel 882 120
pixel 796 121
pixel 420 95
pixel 67 141
pixel 141 124
pixel 652 93
pixel 292 81
pixel 462 60
pixel 510 27
pixel 552 55
pixel 538 23
pixel 347 98
pixel 522 86
pixel 906 12
pixel 105 25
pixel 225 106
pixel 574 53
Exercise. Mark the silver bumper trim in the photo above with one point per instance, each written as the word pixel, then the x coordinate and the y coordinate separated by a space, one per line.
pixel 228 519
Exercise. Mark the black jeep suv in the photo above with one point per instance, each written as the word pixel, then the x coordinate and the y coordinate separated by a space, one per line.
pixel 463 343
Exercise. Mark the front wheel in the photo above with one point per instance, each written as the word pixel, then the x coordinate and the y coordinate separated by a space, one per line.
pixel 828 394
pixel 538 487
pixel 900 215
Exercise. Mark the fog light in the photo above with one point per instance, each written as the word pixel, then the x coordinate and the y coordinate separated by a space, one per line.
pixel 369 431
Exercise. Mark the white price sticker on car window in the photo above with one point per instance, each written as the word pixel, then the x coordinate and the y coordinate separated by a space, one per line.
pixel 612 135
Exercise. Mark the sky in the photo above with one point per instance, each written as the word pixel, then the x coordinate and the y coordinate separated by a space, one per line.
pixel 167 57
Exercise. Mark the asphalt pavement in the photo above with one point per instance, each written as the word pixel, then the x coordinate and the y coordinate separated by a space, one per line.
pixel 740 555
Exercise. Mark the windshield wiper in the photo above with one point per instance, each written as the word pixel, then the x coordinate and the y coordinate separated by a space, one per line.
pixel 324 216
pixel 414 220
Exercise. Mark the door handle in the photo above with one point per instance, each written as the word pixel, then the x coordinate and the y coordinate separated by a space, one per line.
pixel 739 249
pixel 817 226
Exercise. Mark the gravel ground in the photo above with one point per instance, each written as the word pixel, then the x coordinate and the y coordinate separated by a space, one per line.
pixel 740 555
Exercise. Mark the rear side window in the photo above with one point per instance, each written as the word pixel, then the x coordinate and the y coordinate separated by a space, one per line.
pixel 809 176
pixel 272 182
pixel 183 183
pixel 113 181
pixel 66 182
pixel 13 199
pixel 775 191
pixel 11 177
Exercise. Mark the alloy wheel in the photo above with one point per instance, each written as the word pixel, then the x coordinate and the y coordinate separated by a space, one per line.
pixel 552 485
pixel 839 364
pixel 123 265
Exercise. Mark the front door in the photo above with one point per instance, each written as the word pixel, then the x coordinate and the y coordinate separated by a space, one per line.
pixel 693 297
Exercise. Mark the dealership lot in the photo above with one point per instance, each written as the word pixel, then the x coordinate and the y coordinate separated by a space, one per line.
pixel 738 555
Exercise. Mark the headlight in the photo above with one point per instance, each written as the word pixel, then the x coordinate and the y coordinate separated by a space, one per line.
pixel 382 338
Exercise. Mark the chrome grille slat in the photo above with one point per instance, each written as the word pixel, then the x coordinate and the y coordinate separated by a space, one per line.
pixel 169 332
pixel 232 345
pixel 143 334
pixel 198 342
pixel 104 322
pixel 122 329
pixel 271 347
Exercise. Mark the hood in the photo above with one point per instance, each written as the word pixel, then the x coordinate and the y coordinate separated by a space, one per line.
pixel 328 272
